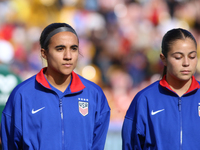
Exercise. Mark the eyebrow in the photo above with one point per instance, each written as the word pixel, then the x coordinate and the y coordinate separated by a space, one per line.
pixel 58 46
pixel 182 53
pixel 74 46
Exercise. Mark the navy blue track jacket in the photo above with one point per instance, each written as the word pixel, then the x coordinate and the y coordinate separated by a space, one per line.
pixel 37 118
pixel 158 119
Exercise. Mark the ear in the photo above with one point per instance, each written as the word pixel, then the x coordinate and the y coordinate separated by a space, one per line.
pixel 43 53
pixel 162 57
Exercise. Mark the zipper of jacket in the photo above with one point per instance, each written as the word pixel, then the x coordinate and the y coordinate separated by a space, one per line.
pixel 181 131
pixel 62 122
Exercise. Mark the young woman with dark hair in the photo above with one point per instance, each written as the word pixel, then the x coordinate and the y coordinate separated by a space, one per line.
pixel 166 114
pixel 56 109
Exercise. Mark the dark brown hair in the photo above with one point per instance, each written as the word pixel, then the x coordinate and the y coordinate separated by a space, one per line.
pixel 47 30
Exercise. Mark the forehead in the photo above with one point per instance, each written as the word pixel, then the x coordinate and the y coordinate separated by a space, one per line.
pixel 65 36
pixel 183 46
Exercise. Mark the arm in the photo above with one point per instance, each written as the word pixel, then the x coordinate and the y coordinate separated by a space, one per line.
pixel 10 135
pixel 101 123
pixel 126 134
pixel 100 131
pixel 132 137
pixel 11 131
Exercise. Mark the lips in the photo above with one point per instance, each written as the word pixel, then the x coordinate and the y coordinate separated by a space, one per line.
pixel 185 71
pixel 68 64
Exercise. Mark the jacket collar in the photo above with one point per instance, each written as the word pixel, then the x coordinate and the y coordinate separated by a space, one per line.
pixel 195 85
pixel 75 86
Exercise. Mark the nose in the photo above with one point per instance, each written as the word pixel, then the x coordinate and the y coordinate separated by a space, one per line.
pixel 67 54
pixel 186 61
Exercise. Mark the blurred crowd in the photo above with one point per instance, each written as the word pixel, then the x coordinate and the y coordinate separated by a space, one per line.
pixel 120 40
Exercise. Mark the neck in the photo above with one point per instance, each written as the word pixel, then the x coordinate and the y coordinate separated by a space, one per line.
pixel 179 86
pixel 59 81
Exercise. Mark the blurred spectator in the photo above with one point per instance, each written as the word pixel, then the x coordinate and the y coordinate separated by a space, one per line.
pixel 8 79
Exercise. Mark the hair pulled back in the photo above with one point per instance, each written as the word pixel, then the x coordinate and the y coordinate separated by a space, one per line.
pixel 47 30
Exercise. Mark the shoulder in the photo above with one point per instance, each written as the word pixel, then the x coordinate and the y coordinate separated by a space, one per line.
pixel 141 99
pixel 90 85
pixel 16 95
pixel 97 94
pixel 149 90
pixel 22 88
pixel 25 84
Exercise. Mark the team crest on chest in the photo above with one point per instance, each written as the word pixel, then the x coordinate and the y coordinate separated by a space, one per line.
pixel 83 107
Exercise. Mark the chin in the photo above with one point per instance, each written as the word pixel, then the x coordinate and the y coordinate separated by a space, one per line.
pixel 186 78
pixel 67 73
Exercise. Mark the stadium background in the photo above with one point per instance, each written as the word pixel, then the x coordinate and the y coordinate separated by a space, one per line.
pixel 119 44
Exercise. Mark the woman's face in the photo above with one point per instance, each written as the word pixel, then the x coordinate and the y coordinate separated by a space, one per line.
pixel 63 53
pixel 181 60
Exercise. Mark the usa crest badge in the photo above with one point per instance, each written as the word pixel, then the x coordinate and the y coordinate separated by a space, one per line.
pixel 83 108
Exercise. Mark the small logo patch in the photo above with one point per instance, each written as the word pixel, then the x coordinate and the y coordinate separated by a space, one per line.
pixel 199 110
pixel 83 108
pixel 35 111
pixel 155 112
